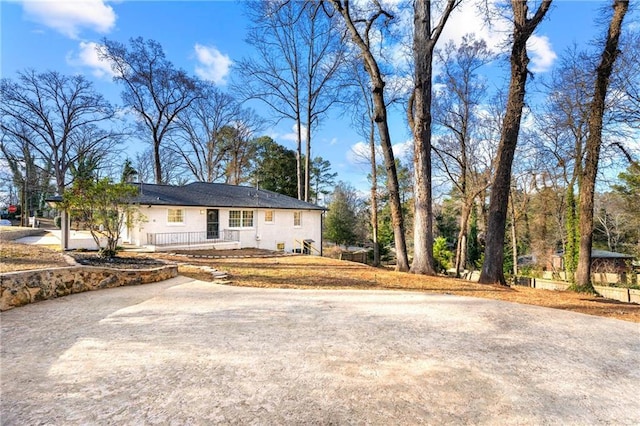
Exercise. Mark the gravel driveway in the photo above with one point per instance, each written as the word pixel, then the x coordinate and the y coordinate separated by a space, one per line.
pixel 189 352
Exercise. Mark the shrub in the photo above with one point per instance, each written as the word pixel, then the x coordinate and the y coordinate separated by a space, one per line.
pixel 57 221
pixel 442 255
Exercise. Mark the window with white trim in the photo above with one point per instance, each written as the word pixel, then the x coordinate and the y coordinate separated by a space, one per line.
pixel 297 218
pixel 240 218
pixel 247 219
pixel 175 216
pixel 268 216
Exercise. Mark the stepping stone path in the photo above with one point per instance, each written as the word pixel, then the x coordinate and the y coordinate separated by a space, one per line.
pixel 217 277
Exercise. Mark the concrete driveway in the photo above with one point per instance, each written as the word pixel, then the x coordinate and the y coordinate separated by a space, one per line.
pixel 189 352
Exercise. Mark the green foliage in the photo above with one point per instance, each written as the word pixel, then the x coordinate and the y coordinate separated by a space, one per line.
pixel 629 192
pixel 571 226
pixel 57 221
pixel 507 263
pixel 587 289
pixel 340 221
pixel 275 167
pixel 128 172
pixel 447 220
pixel 474 249
pixel 442 255
pixel 385 226
pixel 107 253
pixel 321 178
pixel 104 208
pixel 405 179
pixel 630 185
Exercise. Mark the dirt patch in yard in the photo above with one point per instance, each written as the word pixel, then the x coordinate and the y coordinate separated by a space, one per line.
pixel 272 269
pixel 312 272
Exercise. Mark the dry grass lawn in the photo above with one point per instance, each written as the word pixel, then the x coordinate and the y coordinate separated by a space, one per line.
pixel 22 257
pixel 306 272
pixel 316 272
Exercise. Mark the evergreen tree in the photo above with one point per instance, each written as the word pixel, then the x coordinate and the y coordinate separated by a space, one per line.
pixel 340 221
pixel 274 167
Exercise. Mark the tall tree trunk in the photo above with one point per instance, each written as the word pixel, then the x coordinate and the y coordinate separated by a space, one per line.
pixel 307 159
pixel 523 27
pixel 299 156
pixel 514 236
pixel 461 247
pixel 424 42
pixel 594 141
pixel 374 197
pixel 571 246
pixel 381 120
pixel 397 219
pixel 307 168
pixel 157 163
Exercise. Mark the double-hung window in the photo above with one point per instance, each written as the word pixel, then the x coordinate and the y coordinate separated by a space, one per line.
pixel 297 219
pixel 240 219
pixel 175 216
pixel 268 216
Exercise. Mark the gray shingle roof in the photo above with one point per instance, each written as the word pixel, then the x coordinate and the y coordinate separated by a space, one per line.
pixel 202 194
pixel 604 254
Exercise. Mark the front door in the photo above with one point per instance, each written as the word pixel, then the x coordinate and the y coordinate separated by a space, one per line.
pixel 213 224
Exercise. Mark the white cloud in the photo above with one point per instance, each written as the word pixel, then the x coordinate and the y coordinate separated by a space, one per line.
pixel 470 19
pixel 293 136
pixel 214 65
pixel 70 16
pixel 359 153
pixel 403 150
pixel 542 54
pixel 87 56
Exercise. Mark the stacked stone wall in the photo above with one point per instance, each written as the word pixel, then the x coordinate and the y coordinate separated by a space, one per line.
pixel 19 232
pixel 21 288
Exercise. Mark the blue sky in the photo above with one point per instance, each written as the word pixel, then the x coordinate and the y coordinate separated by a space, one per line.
pixel 207 37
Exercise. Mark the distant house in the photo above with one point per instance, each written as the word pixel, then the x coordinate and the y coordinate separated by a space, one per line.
pixel 214 215
pixel 602 261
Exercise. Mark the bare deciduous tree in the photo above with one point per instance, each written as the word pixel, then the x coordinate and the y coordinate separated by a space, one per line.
pixel 198 139
pixel 424 42
pixel 456 112
pixel 299 54
pixel 362 110
pixel 594 142
pixel 524 24
pixel 153 88
pixel 59 119
pixel 361 25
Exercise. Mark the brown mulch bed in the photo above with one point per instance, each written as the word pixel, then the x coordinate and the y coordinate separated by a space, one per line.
pixel 118 262
pixel 272 269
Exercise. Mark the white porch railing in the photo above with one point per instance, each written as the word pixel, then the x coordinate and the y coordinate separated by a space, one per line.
pixel 166 239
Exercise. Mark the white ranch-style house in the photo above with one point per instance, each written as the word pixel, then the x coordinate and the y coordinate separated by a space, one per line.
pixel 213 215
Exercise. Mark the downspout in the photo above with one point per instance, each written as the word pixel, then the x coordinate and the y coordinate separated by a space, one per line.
pixel 321 231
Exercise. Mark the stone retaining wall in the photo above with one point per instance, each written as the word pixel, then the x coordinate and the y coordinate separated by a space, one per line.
pixel 621 294
pixel 550 285
pixel 628 295
pixel 21 288
pixel 19 232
